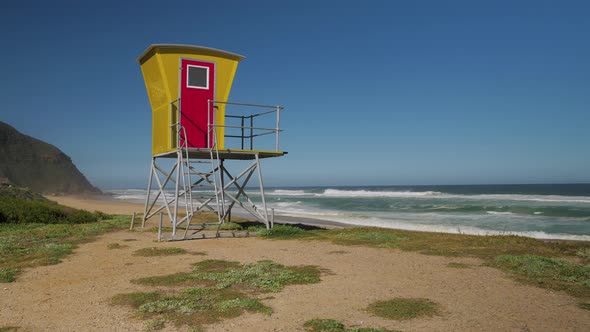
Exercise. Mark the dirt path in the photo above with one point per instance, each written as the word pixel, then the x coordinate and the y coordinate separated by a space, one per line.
pixel 75 295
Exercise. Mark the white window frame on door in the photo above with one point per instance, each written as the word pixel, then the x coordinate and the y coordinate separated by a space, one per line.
pixel 187 77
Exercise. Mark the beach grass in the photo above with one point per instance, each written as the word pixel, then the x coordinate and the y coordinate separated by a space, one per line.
pixel 549 272
pixel 331 325
pixel 156 251
pixel 404 308
pixel 217 289
pixel 26 245
pixel 565 268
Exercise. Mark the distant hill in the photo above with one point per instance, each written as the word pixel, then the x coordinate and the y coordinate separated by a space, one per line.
pixel 28 162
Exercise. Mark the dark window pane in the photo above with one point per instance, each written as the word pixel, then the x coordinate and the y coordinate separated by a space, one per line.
pixel 197 77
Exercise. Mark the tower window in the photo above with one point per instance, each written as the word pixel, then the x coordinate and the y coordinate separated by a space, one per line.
pixel 197 77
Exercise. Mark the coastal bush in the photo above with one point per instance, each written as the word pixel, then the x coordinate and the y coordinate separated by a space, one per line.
pixel 404 308
pixel 17 210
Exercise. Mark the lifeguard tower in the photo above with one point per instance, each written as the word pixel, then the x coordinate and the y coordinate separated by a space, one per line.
pixel 188 89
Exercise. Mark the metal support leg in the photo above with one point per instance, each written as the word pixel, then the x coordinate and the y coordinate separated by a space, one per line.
pixel 178 170
pixel 149 190
pixel 262 191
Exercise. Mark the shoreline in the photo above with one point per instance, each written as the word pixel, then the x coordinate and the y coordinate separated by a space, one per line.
pixel 106 203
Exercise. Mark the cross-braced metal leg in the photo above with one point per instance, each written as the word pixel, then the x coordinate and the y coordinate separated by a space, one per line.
pixel 181 175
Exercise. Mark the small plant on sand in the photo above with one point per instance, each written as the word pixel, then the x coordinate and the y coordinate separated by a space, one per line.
pixel 154 324
pixel 456 265
pixel 331 325
pixel 556 273
pixel 155 251
pixel 584 305
pixel 584 253
pixel 404 308
pixel 217 289
pixel 229 226
pixel 8 274
pixel 9 328
pixel 116 246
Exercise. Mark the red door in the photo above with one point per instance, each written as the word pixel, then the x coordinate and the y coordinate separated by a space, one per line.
pixel 197 80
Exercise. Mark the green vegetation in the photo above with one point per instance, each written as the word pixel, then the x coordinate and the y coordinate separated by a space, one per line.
pixel 29 245
pixel 402 309
pixel 229 226
pixel 338 252
pixel 584 253
pixel 555 273
pixel 330 325
pixel 155 251
pixel 155 324
pixel 116 246
pixel 569 260
pixel 456 265
pixel 192 306
pixel 585 305
pixel 263 276
pixel 216 289
pixel 8 274
pixel 281 232
pixel 8 328
pixel 15 210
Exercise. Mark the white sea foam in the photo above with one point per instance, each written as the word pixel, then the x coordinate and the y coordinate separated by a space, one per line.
pixel 284 192
pixel 535 198
pixel 500 213
pixel 441 195
pixel 370 193
pixel 453 229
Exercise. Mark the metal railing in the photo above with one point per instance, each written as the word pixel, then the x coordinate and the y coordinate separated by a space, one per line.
pixel 246 130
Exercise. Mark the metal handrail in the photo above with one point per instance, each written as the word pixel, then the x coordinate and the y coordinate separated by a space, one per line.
pixel 263 131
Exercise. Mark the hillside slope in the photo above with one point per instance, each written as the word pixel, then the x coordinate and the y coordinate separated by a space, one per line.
pixel 29 162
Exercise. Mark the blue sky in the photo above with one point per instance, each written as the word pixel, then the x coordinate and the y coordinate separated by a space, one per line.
pixel 376 92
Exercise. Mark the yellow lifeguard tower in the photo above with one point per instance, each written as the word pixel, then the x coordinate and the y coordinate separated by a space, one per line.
pixel 188 89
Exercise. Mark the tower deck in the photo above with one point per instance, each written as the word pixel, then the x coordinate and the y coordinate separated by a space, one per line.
pixel 229 154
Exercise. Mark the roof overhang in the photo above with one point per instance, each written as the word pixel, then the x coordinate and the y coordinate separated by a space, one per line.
pixel 180 48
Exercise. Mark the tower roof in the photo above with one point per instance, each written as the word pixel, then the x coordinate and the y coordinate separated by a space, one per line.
pixel 181 48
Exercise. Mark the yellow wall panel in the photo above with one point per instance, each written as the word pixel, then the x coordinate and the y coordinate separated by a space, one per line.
pixel 160 66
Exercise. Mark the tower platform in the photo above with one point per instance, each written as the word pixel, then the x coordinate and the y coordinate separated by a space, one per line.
pixel 224 154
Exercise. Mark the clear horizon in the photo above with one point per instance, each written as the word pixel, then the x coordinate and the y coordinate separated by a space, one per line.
pixel 421 93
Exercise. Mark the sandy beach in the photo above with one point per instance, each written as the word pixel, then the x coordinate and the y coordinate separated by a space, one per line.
pixel 75 295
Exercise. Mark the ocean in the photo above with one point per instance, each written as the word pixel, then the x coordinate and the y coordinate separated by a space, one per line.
pixel 556 211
